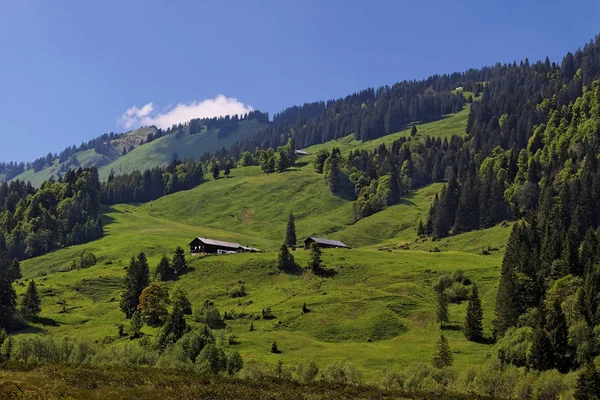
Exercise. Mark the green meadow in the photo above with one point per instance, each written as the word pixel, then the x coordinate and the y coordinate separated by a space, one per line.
pixel 377 311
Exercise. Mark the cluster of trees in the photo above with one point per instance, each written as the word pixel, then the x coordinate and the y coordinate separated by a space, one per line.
pixel 378 178
pixel 58 214
pixel 11 169
pixel 145 302
pixel 10 315
pixel 151 184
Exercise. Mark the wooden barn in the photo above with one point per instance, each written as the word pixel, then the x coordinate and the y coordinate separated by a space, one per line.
pixel 210 246
pixel 324 243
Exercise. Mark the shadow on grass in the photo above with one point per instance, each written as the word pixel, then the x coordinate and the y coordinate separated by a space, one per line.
pixel 45 321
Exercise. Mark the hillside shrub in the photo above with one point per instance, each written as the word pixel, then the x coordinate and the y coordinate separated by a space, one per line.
pixel 209 314
pixel 86 259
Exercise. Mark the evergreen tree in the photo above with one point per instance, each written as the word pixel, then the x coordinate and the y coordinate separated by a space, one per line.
pixel 136 280
pixel 285 259
pixel 179 299
pixel 506 310
pixel 442 308
pixel 215 170
pixel 290 235
pixel 175 327
pixel 421 229
pixel 135 325
pixel 15 270
pixel 413 131
pixel 179 264
pixel 8 296
pixel 315 262
pixel 31 302
pixel 164 271
pixel 443 358
pixel 234 363
pixel 588 383
pixel 473 328
pixel 558 333
pixel 540 356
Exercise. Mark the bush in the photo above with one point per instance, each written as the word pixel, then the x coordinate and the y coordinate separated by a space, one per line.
pixel 238 292
pixel 343 373
pixel 193 342
pixel 457 293
pixel 212 359
pixel 267 313
pixel 209 314
pixel 514 346
pixel 85 260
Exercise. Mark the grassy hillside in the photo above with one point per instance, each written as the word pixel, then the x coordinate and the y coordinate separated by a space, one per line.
pixel 161 151
pixel 156 153
pixel 452 124
pixel 377 312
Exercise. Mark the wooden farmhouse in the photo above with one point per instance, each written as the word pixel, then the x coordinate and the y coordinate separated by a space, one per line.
pixel 209 246
pixel 324 243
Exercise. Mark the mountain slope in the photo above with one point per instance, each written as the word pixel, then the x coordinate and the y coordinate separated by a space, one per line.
pixel 163 150
pixel 144 156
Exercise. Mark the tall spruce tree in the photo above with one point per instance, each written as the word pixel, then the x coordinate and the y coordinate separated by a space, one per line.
pixel 442 308
pixel 473 328
pixel 506 311
pixel 558 334
pixel 164 271
pixel 588 383
pixel 137 276
pixel 315 262
pixel 285 259
pixel 8 296
pixel 443 357
pixel 540 356
pixel 290 234
pixel 31 304
pixel 178 263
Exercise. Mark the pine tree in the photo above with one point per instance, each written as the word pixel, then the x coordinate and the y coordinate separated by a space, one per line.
pixel 290 235
pixel 135 326
pixel 215 170
pixel 442 308
pixel 136 280
pixel 413 131
pixel 558 333
pixel 31 303
pixel 540 357
pixel 473 329
pixel 8 296
pixel 15 270
pixel 506 310
pixel 178 263
pixel 421 229
pixel 285 259
pixel 315 258
pixel 164 271
pixel 588 383
pixel 443 358
pixel 175 327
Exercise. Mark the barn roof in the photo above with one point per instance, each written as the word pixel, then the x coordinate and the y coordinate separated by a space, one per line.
pixel 219 243
pixel 327 241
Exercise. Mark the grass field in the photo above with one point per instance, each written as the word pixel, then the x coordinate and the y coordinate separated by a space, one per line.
pixel 377 311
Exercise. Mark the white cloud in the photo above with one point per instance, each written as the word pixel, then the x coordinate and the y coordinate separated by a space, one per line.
pixel 219 106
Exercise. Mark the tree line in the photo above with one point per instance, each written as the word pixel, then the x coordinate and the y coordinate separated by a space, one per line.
pixel 58 214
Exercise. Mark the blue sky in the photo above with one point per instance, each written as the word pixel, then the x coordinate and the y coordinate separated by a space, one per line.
pixel 70 69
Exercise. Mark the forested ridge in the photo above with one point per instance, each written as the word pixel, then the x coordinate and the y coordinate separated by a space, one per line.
pixel 59 214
